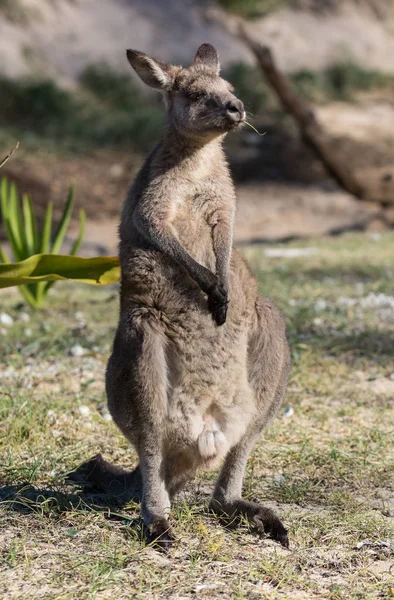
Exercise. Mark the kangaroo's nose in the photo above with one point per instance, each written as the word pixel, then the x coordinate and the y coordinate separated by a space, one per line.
pixel 236 110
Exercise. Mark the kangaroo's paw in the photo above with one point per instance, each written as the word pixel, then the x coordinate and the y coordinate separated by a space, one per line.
pixel 160 535
pixel 217 304
pixel 263 519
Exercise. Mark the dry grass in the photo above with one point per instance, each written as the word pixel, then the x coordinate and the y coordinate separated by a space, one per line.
pixel 327 468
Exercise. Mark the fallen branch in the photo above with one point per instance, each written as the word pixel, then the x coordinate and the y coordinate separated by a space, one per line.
pixel 378 189
pixel 312 131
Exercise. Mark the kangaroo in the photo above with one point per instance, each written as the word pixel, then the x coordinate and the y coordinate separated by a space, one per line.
pixel 200 361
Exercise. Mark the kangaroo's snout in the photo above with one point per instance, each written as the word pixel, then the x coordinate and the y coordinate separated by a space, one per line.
pixel 236 110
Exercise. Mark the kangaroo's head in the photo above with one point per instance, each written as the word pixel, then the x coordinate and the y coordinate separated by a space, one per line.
pixel 200 103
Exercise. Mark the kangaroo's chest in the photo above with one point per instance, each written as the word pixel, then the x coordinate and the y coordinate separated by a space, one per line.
pixel 190 221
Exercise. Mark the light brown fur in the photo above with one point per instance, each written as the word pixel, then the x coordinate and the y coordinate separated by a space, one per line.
pixel 200 361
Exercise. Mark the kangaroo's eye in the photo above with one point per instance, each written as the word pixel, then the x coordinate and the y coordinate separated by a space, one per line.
pixel 212 103
pixel 195 96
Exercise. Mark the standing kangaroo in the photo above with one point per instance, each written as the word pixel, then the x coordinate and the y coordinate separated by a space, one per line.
pixel 200 361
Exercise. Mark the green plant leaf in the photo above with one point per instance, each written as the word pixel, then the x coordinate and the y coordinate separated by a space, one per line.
pixel 4 206
pixel 47 229
pixel 100 270
pixel 15 221
pixel 74 249
pixel 31 233
pixel 4 256
pixel 82 223
pixel 28 296
pixel 64 223
pixel 4 196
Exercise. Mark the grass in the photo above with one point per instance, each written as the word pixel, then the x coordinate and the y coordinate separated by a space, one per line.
pixel 252 9
pixel 327 468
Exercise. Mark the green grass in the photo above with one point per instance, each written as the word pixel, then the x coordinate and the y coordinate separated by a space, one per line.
pixel 327 469
pixel 252 9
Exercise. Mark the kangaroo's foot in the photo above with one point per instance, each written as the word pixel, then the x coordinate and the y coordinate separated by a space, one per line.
pixel 160 535
pixel 263 519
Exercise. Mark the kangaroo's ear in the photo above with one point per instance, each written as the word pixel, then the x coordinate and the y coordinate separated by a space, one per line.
pixel 153 72
pixel 207 55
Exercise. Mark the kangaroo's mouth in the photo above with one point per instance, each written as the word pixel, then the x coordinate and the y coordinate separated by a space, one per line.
pixel 235 126
pixel 235 123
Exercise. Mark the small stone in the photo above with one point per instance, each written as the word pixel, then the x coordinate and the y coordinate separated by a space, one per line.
pixel 77 350
pixel 289 252
pixel 84 410
pixel 51 417
pixel 6 319
pixel 107 417
pixel 28 332
pixel 207 586
pixel 25 317
pixel 320 305
pixel 279 479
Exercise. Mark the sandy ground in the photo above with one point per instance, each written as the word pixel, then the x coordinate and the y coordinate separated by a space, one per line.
pixel 265 213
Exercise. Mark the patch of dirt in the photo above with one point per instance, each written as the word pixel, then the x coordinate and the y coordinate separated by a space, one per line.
pixel 273 212
pixel 366 121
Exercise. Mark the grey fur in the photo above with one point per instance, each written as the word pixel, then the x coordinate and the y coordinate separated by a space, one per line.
pixel 200 361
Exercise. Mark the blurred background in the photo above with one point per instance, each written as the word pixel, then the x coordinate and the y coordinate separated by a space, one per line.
pixel 67 94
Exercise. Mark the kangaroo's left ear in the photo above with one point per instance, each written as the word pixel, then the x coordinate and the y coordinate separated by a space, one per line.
pixel 208 56
pixel 155 73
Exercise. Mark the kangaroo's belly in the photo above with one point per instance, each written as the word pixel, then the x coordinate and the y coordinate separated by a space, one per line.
pixel 210 403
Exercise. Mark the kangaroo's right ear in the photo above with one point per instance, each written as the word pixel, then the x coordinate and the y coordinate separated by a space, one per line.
pixel 153 72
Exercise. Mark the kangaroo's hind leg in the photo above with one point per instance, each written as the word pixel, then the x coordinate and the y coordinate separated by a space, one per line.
pixel 137 399
pixel 269 365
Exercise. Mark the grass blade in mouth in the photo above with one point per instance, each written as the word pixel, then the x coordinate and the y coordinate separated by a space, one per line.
pixel 254 128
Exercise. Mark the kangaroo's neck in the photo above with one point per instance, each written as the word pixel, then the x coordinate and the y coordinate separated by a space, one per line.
pixel 177 149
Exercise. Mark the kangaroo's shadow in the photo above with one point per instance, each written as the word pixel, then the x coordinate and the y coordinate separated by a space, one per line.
pixel 90 479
